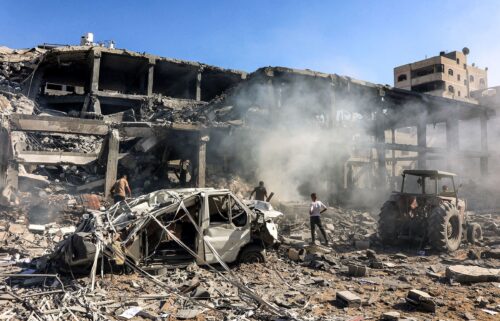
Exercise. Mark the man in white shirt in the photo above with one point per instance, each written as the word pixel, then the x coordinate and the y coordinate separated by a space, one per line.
pixel 317 207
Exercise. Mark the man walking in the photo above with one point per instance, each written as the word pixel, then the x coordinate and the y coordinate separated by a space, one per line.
pixel 120 189
pixel 260 192
pixel 315 211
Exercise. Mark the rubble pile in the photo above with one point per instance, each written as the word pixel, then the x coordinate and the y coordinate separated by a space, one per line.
pixel 17 65
pixel 299 280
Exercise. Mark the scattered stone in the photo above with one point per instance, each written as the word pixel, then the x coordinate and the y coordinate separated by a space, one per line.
pixel 421 300
pixel 472 274
pixel 296 254
pixel 17 229
pixel 348 299
pixel 36 228
pixel 358 270
pixel 185 314
pixel 371 254
pixel 391 316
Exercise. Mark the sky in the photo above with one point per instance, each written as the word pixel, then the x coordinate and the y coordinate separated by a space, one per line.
pixel 361 39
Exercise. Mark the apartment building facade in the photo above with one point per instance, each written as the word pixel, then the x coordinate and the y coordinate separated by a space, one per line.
pixel 446 75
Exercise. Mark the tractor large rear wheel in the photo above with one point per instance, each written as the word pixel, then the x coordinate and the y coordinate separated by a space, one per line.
pixel 445 228
pixel 387 223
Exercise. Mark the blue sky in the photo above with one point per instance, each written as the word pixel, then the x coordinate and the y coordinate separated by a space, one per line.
pixel 361 39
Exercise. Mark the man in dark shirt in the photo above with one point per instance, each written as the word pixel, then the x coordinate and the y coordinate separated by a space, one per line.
pixel 260 192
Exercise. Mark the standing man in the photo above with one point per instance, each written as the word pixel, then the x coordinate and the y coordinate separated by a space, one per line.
pixel 183 171
pixel 120 188
pixel 260 192
pixel 315 211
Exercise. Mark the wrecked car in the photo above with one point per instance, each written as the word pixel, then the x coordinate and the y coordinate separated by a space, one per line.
pixel 170 227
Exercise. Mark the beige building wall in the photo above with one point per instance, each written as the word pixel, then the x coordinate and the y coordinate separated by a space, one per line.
pixel 447 75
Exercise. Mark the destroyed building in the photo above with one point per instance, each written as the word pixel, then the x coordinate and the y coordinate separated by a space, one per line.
pixel 99 110
pixel 73 117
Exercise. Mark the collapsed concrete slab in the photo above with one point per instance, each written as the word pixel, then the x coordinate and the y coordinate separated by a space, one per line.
pixel 472 274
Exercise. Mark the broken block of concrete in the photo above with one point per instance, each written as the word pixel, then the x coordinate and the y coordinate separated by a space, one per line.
pixel 296 254
pixel 36 228
pixel 348 299
pixel 390 316
pixel 421 300
pixel 17 229
pixel 358 270
pixel 472 274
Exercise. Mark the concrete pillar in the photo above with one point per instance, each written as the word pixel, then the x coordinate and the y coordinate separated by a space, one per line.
pixel 112 162
pixel 484 144
pixel 5 152
pixel 332 117
pixel 151 70
pixel 393 152
pixel 422 142
pixel 202 160
pixel 96 66
pixel 198 85
pixel 452 143
pixel 381 163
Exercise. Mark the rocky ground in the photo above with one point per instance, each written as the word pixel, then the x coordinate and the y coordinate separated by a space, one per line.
pixel 298 281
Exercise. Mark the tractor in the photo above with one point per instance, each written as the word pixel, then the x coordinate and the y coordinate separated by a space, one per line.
pixel 428 211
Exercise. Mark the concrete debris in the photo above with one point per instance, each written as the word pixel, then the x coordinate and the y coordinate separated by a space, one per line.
pixel 472 274
pixel 421 300
pixel 391 316
pixel 348 299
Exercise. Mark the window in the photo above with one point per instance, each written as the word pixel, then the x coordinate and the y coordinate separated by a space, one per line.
pixel 458 61
pixel 465 82
pixel 482 82
pixel 218 208
pixel 458 77
pixel 427 70
pixel 471 78
pixel 458 93
pixel 238 214
pixel 450 72
pixel 451 89
pixel 402 77
pixel 224 209
pixel 429 86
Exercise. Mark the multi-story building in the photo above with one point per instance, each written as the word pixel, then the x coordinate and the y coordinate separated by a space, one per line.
pixel 447 75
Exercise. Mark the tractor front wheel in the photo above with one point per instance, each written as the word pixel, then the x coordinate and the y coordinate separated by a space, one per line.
pixel 474 233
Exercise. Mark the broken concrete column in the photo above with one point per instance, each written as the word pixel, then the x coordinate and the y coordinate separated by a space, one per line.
pixel 112 163
pixel 422 142
pixel 5 154
pixel 151 69
pixel 96 66
pixel 202 159
pixel 198 84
